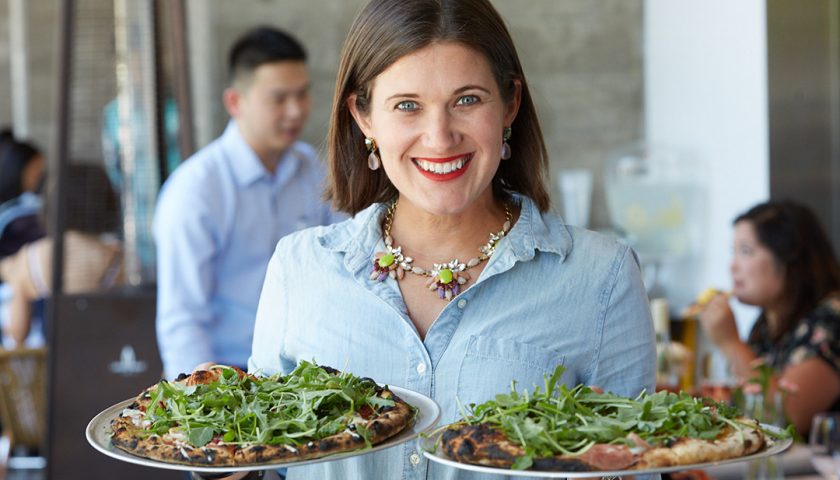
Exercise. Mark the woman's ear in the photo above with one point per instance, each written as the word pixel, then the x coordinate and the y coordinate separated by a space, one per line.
pixel 361 119
pixel 513 105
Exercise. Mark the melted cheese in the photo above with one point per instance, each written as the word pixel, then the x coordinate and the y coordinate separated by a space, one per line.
pixel 137 417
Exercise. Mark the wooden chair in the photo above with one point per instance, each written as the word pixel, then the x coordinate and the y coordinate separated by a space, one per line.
pixel 23 408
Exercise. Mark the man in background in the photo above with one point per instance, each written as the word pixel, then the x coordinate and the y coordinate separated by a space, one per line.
pixel 221 213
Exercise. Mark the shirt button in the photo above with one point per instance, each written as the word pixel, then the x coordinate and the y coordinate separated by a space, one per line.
pixel 414 459
pixel 462 303
pixel 421 368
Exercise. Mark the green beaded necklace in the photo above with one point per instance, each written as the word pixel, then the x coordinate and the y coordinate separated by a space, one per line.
pixel 446 279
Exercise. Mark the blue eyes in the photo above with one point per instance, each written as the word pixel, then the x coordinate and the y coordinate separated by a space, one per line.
pixel 467 100
pixel 407 106
pixel 410 105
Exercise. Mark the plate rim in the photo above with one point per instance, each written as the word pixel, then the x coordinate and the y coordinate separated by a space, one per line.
pixel 438 457
pixel 429 412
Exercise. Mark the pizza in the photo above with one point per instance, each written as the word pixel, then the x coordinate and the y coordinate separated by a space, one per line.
pixel 226 417
pixel 581 429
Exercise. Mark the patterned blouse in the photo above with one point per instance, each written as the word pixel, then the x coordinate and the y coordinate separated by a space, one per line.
pixel 816 336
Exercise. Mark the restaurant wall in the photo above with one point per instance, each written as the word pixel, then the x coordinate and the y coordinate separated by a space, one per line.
pixel 34 90
pixel 706 95
pixel 5 66
pixel 27 66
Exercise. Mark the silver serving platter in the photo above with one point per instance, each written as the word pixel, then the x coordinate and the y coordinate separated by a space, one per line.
pixel 428 446
pixel 98 434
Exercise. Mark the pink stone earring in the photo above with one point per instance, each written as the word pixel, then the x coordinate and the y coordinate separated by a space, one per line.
pixel 373 157
pixel 505 145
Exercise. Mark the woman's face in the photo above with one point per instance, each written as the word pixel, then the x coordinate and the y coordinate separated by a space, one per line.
pixel 32 174
pixel 758 277
pixel 437 116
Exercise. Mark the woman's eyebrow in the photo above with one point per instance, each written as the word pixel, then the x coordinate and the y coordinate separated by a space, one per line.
pixel 402 95
pixel 457 91
pixel 471 87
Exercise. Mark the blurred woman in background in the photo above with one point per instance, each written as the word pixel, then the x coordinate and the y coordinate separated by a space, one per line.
pixel 92 259
pixel 784 263
pixel 21 177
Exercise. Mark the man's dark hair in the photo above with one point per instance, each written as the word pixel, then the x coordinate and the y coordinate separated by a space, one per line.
pixel 260 46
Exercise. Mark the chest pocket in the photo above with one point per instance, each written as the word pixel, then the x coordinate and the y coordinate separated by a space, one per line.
pixel 490 364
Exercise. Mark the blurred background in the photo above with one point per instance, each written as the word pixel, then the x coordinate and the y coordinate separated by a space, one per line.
pixel 664 120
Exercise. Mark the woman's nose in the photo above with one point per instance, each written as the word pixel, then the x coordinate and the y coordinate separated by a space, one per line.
pixel 440 132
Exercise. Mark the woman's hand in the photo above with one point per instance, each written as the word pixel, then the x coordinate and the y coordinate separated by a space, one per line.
pixel 203 366
pixel 719 323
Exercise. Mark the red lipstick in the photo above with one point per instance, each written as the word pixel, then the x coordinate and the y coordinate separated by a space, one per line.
pixel 443 177
pixel 442 160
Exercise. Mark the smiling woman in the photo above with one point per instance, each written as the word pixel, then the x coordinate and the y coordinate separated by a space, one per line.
pixel 451 279
pixel 441 125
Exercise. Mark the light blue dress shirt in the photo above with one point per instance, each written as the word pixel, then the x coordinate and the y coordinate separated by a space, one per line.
pixel 218 219
pixel 551 294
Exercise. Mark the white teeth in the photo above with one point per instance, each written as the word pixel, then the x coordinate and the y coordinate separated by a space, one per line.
pixel 442 168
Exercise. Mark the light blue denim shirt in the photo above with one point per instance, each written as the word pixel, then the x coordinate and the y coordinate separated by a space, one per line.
pixel 551 294
pixel 218 219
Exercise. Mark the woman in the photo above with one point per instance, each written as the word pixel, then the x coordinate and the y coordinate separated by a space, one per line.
pixel 21 176
pixel 92 260
pixel 434 147
pixel 784 264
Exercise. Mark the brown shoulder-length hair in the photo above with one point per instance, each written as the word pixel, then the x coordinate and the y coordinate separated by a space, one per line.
pixel 796 239
pixel 385 31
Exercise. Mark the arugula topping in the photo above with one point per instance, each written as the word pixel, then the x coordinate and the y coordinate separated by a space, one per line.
pixel 560 420
pixel 307 404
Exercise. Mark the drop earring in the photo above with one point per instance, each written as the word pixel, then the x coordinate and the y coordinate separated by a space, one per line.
pixel 505 145
pixel 373 157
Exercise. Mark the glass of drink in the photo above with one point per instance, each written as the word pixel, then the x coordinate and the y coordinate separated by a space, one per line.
pixel 824 443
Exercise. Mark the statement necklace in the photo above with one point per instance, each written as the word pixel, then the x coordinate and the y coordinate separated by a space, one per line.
pixel 446 279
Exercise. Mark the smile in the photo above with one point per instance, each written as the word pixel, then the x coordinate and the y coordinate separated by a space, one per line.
pixel 443 166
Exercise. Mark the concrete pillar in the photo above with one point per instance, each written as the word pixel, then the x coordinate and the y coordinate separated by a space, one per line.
pixel 19 55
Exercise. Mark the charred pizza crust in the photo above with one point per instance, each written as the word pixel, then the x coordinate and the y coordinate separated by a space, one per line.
pixel 129 434
pixel 487 445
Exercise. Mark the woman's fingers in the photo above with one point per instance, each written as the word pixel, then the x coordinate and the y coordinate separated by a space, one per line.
pixel 203 366
pixel 718 321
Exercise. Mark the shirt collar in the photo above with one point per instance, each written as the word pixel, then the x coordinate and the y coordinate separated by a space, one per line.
pixel 536 232
pixel 248 168
pixel 360 237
